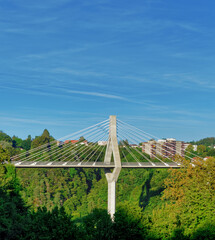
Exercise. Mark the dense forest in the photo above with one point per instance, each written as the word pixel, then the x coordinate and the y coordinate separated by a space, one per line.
pixel 71 203
pixel 210 141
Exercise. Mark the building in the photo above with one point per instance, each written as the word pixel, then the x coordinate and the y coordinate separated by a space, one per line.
pixel 85 142
pixel 71 141
pixel 195 147
pixel 77 142
pixel 164 147
pixel 134 145
pixel 102 143
pixel 60 143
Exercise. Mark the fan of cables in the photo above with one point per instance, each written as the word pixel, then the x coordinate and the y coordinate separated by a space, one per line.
pixel 81 147
pixel 89 146
pixel 139 146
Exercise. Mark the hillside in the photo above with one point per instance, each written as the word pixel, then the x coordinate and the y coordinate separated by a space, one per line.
pixel 71 203
pixel 209 141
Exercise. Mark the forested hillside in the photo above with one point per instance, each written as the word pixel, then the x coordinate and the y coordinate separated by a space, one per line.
pixel 210 141
pixel 72 203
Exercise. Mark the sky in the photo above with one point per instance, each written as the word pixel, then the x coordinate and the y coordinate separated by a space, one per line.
pixel 66 65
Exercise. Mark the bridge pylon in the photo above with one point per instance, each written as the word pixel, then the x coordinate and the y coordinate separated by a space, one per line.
pixel 112 176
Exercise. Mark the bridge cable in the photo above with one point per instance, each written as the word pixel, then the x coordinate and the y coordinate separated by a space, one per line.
pixel 56 146
pixel 142 154
pixel 46 144
pixel 148 134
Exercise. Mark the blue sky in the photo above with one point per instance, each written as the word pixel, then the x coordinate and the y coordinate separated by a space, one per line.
pixel 66 65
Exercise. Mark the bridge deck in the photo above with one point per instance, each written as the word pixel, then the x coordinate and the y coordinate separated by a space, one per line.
pixel 49 164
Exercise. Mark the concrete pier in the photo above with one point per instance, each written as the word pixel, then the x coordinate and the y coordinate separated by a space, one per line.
pixel 112 176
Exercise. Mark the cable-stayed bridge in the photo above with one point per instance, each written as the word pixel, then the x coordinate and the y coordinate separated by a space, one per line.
pixel 86 148
pixel 110 144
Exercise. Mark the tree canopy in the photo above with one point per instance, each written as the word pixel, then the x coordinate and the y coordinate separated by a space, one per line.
pixel 155 204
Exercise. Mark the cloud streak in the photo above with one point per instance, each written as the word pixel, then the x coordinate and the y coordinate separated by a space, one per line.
pixel 31 121
pixel 97 94
pixel 43 93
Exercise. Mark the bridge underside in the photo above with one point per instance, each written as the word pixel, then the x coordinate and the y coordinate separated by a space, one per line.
pixel 49 164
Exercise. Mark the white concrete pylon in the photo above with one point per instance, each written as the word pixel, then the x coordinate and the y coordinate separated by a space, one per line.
pixel 112 148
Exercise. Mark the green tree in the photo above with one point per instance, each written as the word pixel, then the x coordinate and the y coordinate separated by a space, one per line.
pixel 5 137
pixel 43 139
pixel 81 139
pixel 127 223
pixel 189 197
pixel 14 217
pixel 17 142
pixel 209 141
pixel 52 225
pixel 205 231
pixel 201 149
pixel 5 144
pixel 98 225
pixel 4 155
pixel 211 152
pixel 26 144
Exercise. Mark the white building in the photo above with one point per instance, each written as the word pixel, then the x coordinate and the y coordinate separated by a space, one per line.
pixel 102 143
pixel 164 147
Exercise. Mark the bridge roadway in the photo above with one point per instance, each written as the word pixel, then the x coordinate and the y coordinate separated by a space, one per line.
pixel 48 164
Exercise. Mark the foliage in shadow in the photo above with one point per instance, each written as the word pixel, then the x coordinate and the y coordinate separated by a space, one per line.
pixel 204 232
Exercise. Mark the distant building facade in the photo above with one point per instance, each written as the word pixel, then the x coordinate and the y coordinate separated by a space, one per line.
pixel 164 147
pixel 71 141
pixel 102 143
pixel 134 145
pixel 77 142
pixel 195 147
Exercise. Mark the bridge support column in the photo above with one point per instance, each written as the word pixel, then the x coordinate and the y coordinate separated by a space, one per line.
pixel 112 149
pixel 112 198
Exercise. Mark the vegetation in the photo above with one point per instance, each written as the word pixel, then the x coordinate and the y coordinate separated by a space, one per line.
pixel 71 203
pixel 202 151
pixel 210 141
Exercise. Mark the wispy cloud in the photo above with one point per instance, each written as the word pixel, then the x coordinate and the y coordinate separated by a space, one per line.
pixel 144 26
pixel 112 96
pixel 75 94
pixel 41 93
pixel 68 51
pixel 188 80
pixel 53 53
pixel 42 5
pixel 68 95
pixel 14 30
pixel 31 121
pixel 164 120
pixel 79 72
pixel 44 20
pixel 96 94
pixel 64 113
pixel 188 26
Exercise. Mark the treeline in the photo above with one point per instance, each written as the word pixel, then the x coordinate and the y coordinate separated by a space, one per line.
pixel 14 145
pixel 209 141
pixel 201 151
